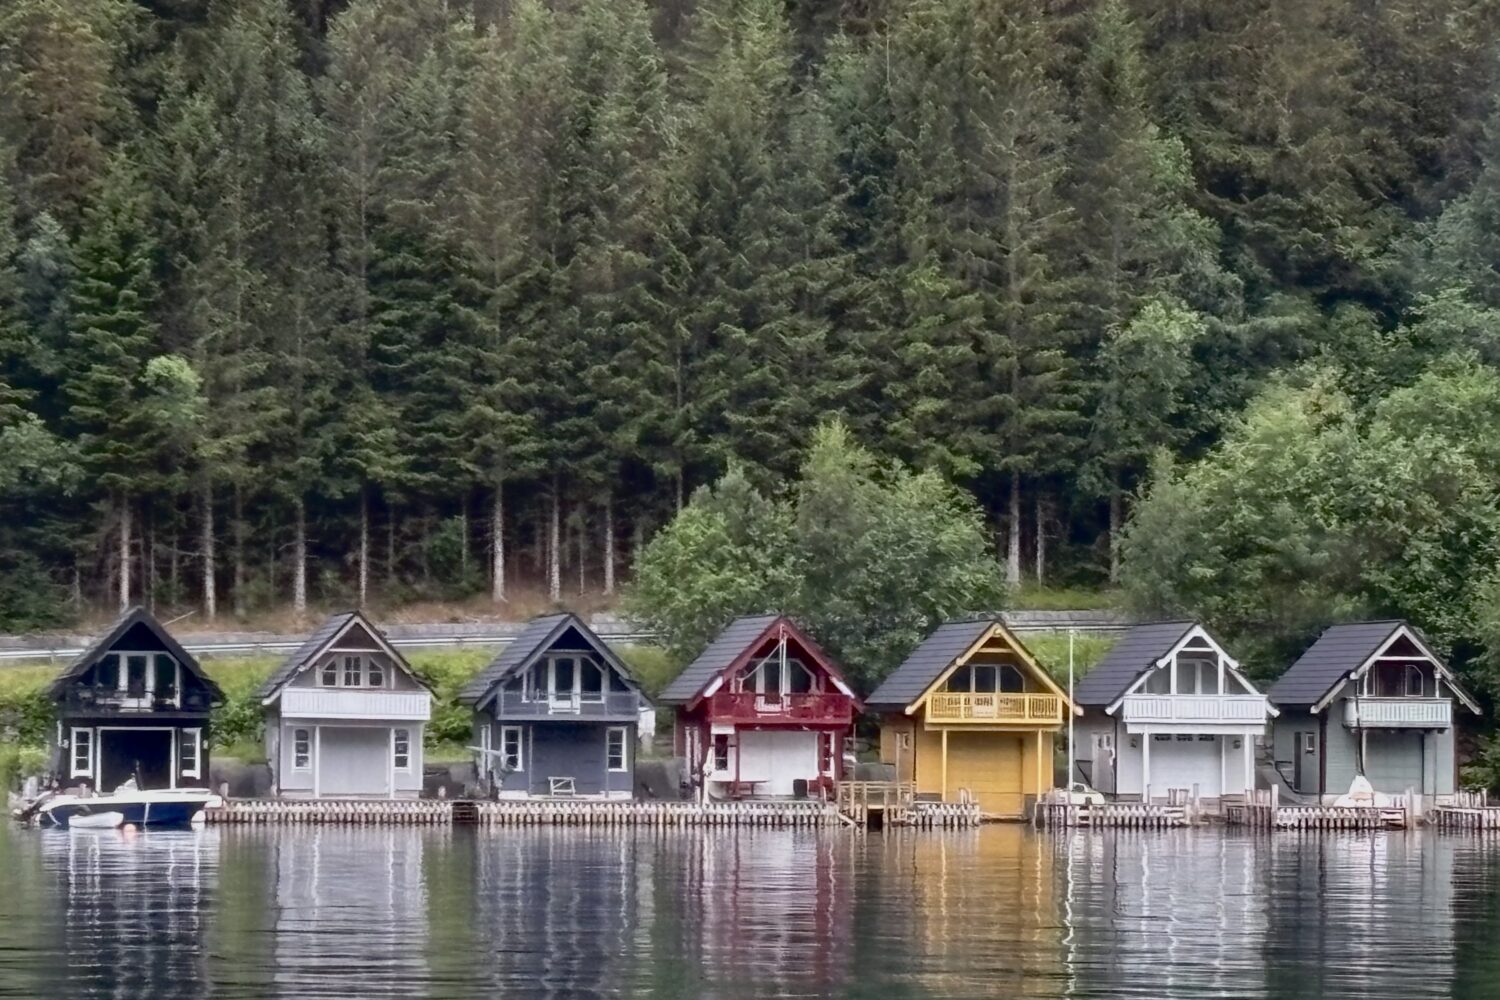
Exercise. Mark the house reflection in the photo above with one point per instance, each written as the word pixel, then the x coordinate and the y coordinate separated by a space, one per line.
pixel 1362 913
pixel 349 911
pixel 985 916
pixel 1162 913
pixel 134 911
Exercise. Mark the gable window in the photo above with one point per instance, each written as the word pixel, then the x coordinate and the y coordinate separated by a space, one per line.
pixel 137 667
pixel 166 678
pixel 330 676
pixel 301 750
pixel 510 749
pixel 354 671
pixel 1413 681
pixel 721 752
pixel 189 752
pixel 401 749
pixel 615 753
pixel 374 673
pixel 1011 679
pixel 590 681
pixel 107 674
pixel 82 753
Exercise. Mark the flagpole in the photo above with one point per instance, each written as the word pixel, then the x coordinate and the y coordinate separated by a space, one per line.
pixel 1070 711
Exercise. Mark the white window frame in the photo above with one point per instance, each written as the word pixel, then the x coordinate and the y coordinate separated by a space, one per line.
pixel 196 771
pixel 506 733
pixel 610 735
pixel 357 661
pixel 719 746
pixel 91 740
pixel 330 666
pixel 302 759
pixel 372 667
pixel 398 735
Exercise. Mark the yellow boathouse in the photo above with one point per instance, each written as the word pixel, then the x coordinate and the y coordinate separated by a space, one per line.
pixel 971 712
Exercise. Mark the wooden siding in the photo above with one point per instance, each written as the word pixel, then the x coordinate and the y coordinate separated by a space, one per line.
pixel 1001 770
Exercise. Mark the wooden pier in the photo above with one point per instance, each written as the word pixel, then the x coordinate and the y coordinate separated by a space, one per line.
pixel 525 812
pixel 1058 812
pixel 870 805
pixel 1466 812
pixel 1262 810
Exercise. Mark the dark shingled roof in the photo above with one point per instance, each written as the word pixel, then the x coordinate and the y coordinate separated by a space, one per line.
pixel 319 641
pixel 723 651
pixel 1337 653
pixel 1133 655
pixel 936 654
pixel 127 621
pixel 535 639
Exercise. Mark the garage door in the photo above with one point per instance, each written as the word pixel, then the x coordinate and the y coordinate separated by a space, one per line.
pixel 778 759
pixel 354 761
pixel 989 766
pixel 1393 761
pixel 1180 761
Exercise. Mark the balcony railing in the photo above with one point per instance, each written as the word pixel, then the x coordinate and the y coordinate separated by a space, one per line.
pixel 830 708
pixel 355 703
pixel 602 705
pixel 1003 709
pixel 111 701
pixel 1398 713
pixel 1207 709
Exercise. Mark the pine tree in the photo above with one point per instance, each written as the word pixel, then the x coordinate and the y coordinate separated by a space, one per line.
pixel 110 335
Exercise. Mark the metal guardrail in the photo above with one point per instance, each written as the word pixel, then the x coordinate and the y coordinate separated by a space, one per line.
pixel 21 649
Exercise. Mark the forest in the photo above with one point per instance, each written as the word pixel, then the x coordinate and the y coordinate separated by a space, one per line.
pixel 313 301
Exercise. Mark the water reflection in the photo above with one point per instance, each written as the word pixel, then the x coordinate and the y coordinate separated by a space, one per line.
pixel 134 909
pixel 724 915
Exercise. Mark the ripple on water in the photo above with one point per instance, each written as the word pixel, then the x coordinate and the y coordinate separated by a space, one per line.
pixel 1002 912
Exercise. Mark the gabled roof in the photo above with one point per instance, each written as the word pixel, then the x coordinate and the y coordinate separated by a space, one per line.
pixel 1135 653
pixel 926 663
pixel 127 621
pixel 321 640
pixel 539 635
pixel 728 646
pixel 735 645
pixel 1341 651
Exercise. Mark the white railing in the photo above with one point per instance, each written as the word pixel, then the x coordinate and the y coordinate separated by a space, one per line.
pixel 1421 713
pixel 326 703
pixel 1212 709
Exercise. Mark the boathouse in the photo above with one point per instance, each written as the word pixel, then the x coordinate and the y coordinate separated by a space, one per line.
pixel 1167 708
pixel 970 713
pixel 1368 698
pixel 345 716
pixel 556 714
pixel 135 705
pixel 762 712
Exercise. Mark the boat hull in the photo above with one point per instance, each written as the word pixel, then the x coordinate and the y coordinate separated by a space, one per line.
pixel 141 813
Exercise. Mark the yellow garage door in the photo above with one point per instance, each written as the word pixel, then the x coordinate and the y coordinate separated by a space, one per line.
pixel 989 766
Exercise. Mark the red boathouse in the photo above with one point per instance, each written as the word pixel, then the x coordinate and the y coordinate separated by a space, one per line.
pixel 762 713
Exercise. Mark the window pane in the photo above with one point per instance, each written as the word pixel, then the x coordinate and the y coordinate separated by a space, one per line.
pixel 563 676
pixel 187 750
pixel 615 749
pixel 109 671
pixel 402 746
pixel 962 679
pixel 801 679
pixel 590 679
pixel 166 677
pixel 1011 680
pixel 986 678
pixel 353 671
pixel 331 673
pixel 377 672
pixel 135 676
pixel 301 750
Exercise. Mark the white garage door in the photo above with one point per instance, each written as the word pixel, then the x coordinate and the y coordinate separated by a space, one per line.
pixel 777 759
pixel 1180 761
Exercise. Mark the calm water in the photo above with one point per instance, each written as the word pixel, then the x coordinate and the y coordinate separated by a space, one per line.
pixel 1002 912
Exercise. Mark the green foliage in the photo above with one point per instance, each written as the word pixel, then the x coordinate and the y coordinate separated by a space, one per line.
pixel 1051 651
pixel 1392 512
pixel 446 672
pixel 868 557
pixel 653 666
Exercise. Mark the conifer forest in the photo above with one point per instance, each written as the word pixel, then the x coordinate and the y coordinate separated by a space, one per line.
pixel 336 301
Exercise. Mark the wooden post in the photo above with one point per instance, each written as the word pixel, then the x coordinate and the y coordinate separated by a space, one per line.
pixel 1146 766
pixel 390 761
pixel 317 762
pixel 1041 781
pixel 944 793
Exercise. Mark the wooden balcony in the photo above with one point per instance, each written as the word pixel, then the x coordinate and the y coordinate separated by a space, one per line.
pixel 999 709
pixel 89 700
pixel 747 707
pixel 356 703
pixel 1197 709
pixel 612 706
pixel 1398 713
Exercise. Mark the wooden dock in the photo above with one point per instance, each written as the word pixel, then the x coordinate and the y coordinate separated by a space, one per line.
pixel 1262 810
pixel 525 812
pixel 869 805
pixel 1057 811
pixel 1471 812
